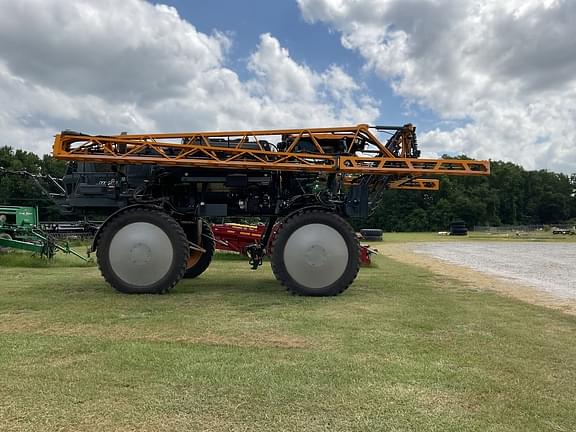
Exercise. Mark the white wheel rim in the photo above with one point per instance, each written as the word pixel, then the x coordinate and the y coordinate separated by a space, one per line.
pixel 141 254
pixel 316 256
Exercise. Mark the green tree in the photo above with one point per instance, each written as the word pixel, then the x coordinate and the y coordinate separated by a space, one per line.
pixel 510 195
pixel 21 190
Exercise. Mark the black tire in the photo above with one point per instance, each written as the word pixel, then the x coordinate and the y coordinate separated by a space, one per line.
pixel 155 254
pixel 372 238
pixel 309 269
pixel 458 228
pixel 198 262
pixel 371 232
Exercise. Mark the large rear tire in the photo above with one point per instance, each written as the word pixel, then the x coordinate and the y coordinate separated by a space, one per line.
pixel 315 253
pixel 198 261
pixel 142 251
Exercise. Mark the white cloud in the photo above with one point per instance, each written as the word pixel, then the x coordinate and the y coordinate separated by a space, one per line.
pixel 293 90
pixel 109 66
pixel 504 69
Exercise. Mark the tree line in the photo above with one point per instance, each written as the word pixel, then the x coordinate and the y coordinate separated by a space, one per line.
pixel 509 196
pixel 20 191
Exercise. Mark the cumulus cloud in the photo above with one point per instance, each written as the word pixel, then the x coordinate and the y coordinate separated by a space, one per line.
pixel 289 89
pixel 109 66
pixel 504 71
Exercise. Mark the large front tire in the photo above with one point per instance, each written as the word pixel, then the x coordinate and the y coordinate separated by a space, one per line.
pixel 142 251
pixel 315 253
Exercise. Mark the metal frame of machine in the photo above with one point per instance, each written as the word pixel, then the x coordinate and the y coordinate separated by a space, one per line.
pixel 306 184
pixel 361 152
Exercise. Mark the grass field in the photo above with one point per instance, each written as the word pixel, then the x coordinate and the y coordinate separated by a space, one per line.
pixel 402 350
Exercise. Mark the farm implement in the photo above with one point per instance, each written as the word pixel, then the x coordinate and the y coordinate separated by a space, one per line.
pixel 19 229
pixel 306 183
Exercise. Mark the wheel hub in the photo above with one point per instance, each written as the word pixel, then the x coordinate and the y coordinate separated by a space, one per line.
pixel 140 254
pixel 316 256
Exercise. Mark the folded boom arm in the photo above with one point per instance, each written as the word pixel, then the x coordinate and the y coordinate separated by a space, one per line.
pixel 352 151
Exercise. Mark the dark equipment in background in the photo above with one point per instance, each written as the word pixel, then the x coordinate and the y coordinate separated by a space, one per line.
pixel 458 228
pixel 371 234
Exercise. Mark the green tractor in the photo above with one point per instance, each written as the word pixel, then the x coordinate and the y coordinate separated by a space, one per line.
pixel 20 229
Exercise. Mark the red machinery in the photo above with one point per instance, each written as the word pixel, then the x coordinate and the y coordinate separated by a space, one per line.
pixel 237 238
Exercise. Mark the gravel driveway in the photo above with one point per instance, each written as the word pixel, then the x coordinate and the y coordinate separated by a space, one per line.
pixel 549 267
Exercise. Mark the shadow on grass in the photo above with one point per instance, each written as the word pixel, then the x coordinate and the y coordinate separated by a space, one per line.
pixel 245 281
pixel 229 281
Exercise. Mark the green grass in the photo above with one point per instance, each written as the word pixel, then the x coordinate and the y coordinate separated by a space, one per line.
pixel 16 258
pixel 402 350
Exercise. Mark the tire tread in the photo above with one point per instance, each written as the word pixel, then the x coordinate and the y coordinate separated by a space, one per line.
pixel 107 272
pixel 281 273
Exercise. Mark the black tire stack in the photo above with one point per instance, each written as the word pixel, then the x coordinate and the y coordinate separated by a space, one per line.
pixel 371 234
pixel 458 228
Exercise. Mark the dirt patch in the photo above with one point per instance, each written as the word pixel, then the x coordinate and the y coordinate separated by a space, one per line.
pixel 476 279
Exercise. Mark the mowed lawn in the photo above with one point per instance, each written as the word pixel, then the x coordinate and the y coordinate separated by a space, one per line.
pixel 402 350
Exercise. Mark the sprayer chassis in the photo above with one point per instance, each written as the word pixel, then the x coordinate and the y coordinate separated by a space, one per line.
pixel 308 183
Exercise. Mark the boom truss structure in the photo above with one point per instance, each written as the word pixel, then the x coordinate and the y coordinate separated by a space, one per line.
pixel 352 151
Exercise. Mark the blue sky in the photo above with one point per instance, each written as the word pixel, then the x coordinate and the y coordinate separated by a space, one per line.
pixel 313 44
